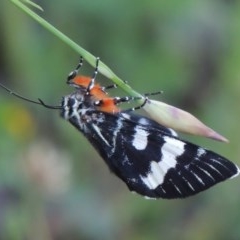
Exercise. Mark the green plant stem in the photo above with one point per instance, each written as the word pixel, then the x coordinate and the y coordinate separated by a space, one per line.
pixel 103 68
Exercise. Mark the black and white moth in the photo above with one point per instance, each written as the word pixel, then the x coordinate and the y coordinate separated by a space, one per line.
pixel 147 156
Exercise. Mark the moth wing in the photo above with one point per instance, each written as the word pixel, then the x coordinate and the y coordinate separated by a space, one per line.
pixel 155 163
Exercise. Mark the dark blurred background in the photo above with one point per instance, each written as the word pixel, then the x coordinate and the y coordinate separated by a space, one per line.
pixel 53 185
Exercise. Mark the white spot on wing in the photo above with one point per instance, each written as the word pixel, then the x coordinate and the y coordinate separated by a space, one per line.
pixel 156 176
pixel 157 173
pixel 200 152
pixel 143 121
pixel 125 115
pixel 171 149
pixel 140 138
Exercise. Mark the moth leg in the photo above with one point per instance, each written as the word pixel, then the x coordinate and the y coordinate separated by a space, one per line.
pixel 74 73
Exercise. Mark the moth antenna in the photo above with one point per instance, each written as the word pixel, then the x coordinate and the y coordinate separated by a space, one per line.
pixel 39 102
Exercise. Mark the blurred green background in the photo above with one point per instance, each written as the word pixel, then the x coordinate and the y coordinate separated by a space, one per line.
pixel 53 185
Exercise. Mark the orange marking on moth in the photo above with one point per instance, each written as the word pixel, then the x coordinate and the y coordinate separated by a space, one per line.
pixel 96 91
pixel 109 105
pixel 81 81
